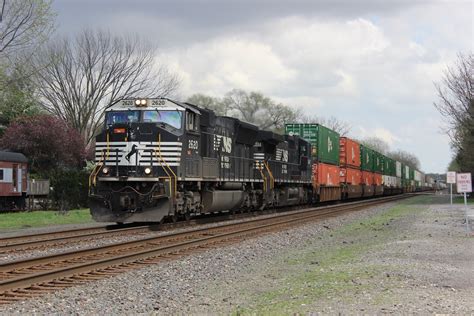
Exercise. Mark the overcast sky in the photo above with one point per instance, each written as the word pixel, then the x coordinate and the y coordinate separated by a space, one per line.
pixel 371 63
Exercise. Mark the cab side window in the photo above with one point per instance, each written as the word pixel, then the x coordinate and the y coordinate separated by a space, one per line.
pixel 191 121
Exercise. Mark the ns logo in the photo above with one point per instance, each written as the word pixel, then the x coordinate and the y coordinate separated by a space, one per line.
pixel 224 141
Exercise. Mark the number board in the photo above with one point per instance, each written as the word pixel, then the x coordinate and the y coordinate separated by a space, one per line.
pixel 149 102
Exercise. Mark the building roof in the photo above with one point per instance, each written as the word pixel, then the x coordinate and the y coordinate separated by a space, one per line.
pixel 12 157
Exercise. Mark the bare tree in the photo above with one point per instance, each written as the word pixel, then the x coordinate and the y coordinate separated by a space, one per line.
pixel 260 110
pixel 85 75
pixel 277 115
pixel 247 105
pixel 377 144
pixel 406 158
pixel 337 125
pixel 456 97
pixel 456 104
pixel 24 23
pixel 212 103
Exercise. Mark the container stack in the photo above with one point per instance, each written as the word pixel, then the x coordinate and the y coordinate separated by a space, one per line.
pixel 350 173
pixel 325 154
pixel 398 177
pixel 378 171
pixel 406 178
pixel 367 169
pixel 412 180
pixel 389 178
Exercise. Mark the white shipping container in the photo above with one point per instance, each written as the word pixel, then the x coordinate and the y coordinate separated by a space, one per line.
pixel 390 181
pixel 417 175
pixel 398 182
pixel 398 169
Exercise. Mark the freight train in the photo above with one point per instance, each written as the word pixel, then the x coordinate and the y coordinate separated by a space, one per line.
pixel 160 159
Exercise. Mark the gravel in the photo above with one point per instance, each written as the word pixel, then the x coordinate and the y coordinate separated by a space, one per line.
pixel 226 279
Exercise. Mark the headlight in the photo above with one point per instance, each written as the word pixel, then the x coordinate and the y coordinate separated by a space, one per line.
pixel 137 102
pixel 105 170
pixel 143 102
pixel 147 170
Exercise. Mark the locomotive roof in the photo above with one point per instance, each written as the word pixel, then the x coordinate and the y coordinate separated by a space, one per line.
pixel 12 157
pixel 153 103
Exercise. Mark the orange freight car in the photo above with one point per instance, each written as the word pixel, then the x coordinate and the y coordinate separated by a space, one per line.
pixel 326 182
pixel 349 154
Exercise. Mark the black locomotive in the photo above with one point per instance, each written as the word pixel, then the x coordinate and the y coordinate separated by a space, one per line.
pixel 159 158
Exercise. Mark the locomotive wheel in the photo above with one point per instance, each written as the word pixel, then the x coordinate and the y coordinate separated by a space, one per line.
pixel 174 218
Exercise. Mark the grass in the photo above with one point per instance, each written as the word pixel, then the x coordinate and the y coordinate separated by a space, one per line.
pixel 320 272
pixel 460 200
pixel 43 218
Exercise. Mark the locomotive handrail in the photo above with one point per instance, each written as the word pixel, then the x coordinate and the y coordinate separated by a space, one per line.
pixel 272 179
pixel 263 176
pixel 95 171
pixel 163 161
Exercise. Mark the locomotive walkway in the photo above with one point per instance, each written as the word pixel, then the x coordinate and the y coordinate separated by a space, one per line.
pixel 33 277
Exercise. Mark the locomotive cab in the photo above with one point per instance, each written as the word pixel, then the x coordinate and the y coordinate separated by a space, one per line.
pixel 138 157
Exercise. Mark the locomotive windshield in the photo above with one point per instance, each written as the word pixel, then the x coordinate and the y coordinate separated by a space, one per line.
pixel 114 117
pixel 171 118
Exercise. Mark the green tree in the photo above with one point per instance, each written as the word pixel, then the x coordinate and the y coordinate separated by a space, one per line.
pixel 17 95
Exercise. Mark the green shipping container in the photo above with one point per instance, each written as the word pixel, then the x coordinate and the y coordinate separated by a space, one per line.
pixel 324 141
pixel 366 158
pixel 378 162
pixel 389 166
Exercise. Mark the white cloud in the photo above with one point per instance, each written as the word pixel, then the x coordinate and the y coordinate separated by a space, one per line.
pixel 221 64
pixel 384 134
pixel 377 75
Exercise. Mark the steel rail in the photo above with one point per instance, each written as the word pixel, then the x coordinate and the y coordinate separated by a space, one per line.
pixel 24 239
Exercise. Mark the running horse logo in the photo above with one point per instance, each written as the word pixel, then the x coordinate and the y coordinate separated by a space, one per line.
pixel 131 153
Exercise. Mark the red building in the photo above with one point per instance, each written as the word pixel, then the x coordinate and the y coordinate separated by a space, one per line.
pixel 13 180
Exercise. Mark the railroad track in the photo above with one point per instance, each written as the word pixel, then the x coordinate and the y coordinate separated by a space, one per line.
pixel 36 276
pixel 56 238
pixel 50 240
